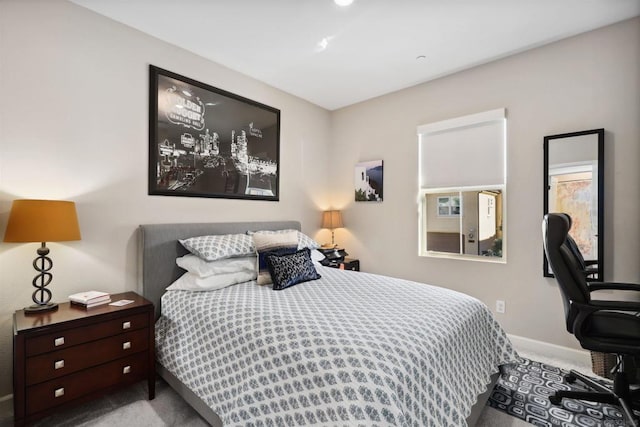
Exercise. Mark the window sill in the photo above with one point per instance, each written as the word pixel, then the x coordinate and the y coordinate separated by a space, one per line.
pixel 476 258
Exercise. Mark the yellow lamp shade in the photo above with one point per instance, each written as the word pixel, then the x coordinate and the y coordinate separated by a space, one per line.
pixel 332 219
pixel 42 221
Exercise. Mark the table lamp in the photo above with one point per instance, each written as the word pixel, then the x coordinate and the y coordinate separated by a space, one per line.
pixel 332 220
pixel 42 221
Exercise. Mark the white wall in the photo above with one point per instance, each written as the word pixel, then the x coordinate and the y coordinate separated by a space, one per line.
pixel 585 82
pixel 74 125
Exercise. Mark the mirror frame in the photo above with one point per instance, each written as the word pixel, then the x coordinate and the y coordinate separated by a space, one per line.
pixel 600 133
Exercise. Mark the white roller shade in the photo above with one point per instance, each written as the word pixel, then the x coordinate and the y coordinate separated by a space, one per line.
pixel 465 151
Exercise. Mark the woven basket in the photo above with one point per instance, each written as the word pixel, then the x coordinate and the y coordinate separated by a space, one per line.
pixel 602 364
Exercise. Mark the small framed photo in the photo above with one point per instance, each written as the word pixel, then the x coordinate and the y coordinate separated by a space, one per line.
pixel 368 181
pixel 207 142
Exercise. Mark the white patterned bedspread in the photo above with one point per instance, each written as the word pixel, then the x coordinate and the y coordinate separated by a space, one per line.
pixel 348 349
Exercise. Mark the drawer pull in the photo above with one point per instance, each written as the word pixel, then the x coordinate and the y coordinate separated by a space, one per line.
pixel 126 369
pixel 58 341
pixel 58 364
pixel 126 345
pixel 59 392
pixel 126 325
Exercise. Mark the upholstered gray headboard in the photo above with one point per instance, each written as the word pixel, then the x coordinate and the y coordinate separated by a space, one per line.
pixel 159 248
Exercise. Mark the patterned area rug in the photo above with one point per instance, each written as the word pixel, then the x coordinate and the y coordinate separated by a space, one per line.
pixel 522 391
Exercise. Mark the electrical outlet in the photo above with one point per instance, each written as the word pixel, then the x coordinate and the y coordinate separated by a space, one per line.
pixel 500 306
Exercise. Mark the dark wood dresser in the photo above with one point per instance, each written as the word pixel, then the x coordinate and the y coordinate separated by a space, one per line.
pixel 71 355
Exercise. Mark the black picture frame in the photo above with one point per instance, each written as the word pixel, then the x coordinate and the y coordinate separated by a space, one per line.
pixel 208 142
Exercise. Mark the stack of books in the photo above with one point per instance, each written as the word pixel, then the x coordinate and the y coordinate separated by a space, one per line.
pixel 90 299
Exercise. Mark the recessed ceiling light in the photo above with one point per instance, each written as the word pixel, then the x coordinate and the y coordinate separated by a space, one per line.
pixel 343 3
pixel 322 44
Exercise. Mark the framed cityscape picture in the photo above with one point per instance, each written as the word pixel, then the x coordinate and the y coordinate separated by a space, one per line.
pixel 368 181
pixel 207 142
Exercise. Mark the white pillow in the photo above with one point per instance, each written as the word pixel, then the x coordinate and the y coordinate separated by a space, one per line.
pixel 191 282
pixel 202 268
pixel 317 256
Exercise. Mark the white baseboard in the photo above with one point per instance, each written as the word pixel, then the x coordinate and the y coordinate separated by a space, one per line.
pixel 570 355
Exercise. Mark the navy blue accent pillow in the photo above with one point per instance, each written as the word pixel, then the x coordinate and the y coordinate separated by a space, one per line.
pixel 269 242
pixel 264 272
pixel 290 269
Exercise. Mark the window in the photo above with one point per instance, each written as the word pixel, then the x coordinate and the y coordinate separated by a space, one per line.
pixel 448 206
pixel 462 172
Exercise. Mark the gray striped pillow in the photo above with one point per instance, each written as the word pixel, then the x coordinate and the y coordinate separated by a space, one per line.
pixel 214 247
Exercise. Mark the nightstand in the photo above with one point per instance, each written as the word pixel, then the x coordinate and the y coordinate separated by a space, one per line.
pixel 347 264
pixel 333 253
pixel 71 355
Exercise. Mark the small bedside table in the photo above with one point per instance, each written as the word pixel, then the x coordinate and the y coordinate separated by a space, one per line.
pixel 332 252
pixel 73 354
pixel 348 264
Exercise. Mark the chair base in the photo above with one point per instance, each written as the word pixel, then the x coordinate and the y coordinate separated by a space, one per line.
pixel 621 395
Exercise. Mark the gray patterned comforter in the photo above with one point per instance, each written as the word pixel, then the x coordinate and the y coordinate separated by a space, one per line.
pixel 348 349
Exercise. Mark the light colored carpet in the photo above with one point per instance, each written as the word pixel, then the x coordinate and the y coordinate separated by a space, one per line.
pixel 491 417
pixel 131 408
pixel 126 409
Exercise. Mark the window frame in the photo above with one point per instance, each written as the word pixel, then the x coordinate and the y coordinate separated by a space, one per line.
pixel 423 191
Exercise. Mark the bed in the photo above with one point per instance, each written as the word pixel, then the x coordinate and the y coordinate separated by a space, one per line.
pixel 350 348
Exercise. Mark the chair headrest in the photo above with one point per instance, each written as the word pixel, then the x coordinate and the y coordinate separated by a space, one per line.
pixel 568 217
pixel 556 228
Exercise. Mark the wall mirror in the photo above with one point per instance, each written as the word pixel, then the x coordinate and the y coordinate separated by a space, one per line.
pixel 574 184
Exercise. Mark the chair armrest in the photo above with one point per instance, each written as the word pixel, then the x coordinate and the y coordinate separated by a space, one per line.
pixel 599 305
pixel 584 311
pixel 597 286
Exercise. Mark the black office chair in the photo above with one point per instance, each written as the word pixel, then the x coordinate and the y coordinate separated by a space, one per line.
pixel 588 267
pixel 603 326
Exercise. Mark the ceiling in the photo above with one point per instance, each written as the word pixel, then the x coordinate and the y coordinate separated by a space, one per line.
pixel 372 47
